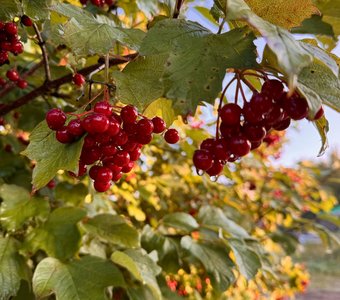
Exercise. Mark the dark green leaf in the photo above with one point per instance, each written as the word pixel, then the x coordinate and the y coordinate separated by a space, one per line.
pixel 314 25
pixel 83 279
pixel 37 9
pixel 50 155
pixel 114 229
pixel 181 221
pixel 9 9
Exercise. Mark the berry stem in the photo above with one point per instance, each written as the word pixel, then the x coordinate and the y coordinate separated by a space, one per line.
pixel 220 105
pixel 242 92
pixel 252 88
pixel 237 89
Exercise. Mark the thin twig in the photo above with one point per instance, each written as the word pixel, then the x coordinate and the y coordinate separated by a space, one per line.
pixel 250 86
pixel 42 46
pixel 220 28
pixel 177 9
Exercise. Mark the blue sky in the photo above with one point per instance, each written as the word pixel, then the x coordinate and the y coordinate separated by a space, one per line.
pixel 304 140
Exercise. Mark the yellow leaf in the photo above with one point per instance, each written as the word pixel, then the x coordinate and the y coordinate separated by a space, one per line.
pixel 285 13
pixel 161 108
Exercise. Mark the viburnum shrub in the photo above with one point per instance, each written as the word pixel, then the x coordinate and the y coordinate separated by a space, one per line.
pixel 109 111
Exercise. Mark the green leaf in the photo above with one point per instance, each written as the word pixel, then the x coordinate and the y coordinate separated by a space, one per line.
pixel 196 60
pixel 206 13
pixel 330 10
pixel 181 221
pixel 323 128
pixel 85 279
pixel 247 260
pixel 88 34
pixel 290 56
pixel 59 236
pixel 139 83
pixel 50 155
pixel 37 9
pixel 314 25
pixel 71 193
pixel 12 268
pixel 9 9
pixel 114 229
pixel 215 260
pixel 214 217
pixel 162 108
pixel 141 266
pixel 18 206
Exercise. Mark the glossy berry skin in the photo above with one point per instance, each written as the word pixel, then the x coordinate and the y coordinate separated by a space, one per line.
pixel 121 138
pixel 55 119
pixel 101 186
pixel 171 136
pixel 282 125
pixel 103 174
pixel 63 136
pixel 254 133
pixel 240 145
pixel 11 28
pixel 208 144
pixel 202 160
pixel 127 168
pixel 158 125
pixel 272 88
pixel 108 150
pixel 230 114
pixel 215 169
pixel 117 177
pixel 96 2
pixel 22 84
pixel 3 56
pixel 103 107
pixel 121 158
pixel 251 114
pixel 75 128
pixel 90 156
pixel 261 104
pixel 219 150
pixel 95 123
pixel 129 114
pixel 296 107
pixel 17 48
pixel 135 154
pixel 319 114
pixel 26 21
pixel 12 75
pixel 78 79
pixel 144 139
pixel 114 127
pixel 229 131
pixel 144 127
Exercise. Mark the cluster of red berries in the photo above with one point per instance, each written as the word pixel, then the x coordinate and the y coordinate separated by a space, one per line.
pixel 98 3
pixel 243 129
pixel 113 141
pixel 10 43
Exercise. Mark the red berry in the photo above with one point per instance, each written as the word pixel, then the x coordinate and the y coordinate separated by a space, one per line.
pixel 109 163
pixel 158 125
pixel 208 144
pixel 144 127
pixel 103 174
pixel 171 136
pixel 83 2
pixel 81 169
pixel 219 150
pixel 63 136
pixel 319 114
pixel 121 158
pixel 11 28
pixel 78 79
pixel 251 114
pixel 121 138
pixel 261 104
pixel 3 56
pixel 255 145
pixel 127 168
pixel 55 118
pixel 202 159
pixel 130 146
pixel 90 156
pixel 254 133
pixel 129 114
pixel 103 107
pixel 117 176
pixel 89 142
pixel 240 145
pixel 144 139
pixel 101 186
pixel 114 127
pixel 282 125
pixel 274 116
pixel 95 123
pixel 230 114
pixel 215 169
pixel 229 131
pixel 12 75
pixel 296 107
pixel 108 150
pixel 26 21
pixel 51 184
pixel 17 48
pixel 96 2
pixel 75 128
pixel 135 154
pixel 21 83
pixel 272 88
pixel 2 81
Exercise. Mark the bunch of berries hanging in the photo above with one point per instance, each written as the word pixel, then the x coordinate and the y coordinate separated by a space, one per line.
pixel 240 129
pixel 113 139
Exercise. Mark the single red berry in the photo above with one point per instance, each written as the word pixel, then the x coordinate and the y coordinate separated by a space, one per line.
pixel 274 116
pixel 55 119
pixel 261 104
pixel 22 83
pixel 320 113
pixel 135 154
pixel 95 123
pixel 144 127
pixel 11 28
pixel 229 131
pixel 116 177
pixel 144 139
pixel 81 169
pixel 102 138
pixel 230 114
pixel 63 136
pixel 282 125
pixel 89 142
pixel 171 136
pixel 5 46
pixel 208 144
pixel 96 2
pixel 252 114
pixel 219 150
pixel 101 186
pixel 90 156
pixel 240 145
pixel 12 75
pixel 121 158
pixel 129 114
pixel 3 56
pixel 158 125
pixel 254 133
pixel 75 128
pixel 103 107
pixel 272 88
pixel 108 150
pixel 51 184
pixel 26 20
pixel 121 138
pixel 114 127
pixel 296 107
pixel 103 174
pixel 17 48
pixel 202 159
pixel 2 25
pixel 215 169
pixel 130 146
pixel 127 168
pixel 109 163
pixel 78 79
pixel 255 145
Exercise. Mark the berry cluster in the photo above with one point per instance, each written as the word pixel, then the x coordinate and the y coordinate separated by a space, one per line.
pixel 98 3
pixel 113 139
pixel 243 129
pixel 10 43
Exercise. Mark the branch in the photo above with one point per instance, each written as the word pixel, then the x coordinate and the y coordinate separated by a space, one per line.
pixel 177 8
pixel 47 86
pixel 44 52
